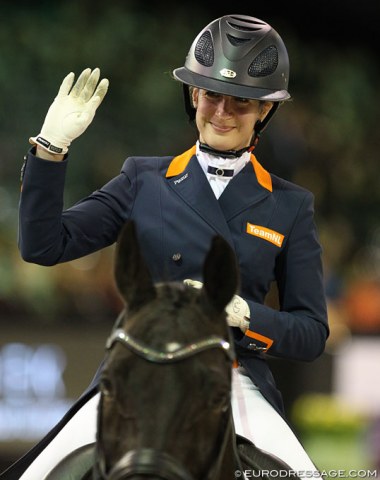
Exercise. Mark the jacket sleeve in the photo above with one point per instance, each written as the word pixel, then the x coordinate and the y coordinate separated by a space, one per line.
pixel 299 329
pixel 48 234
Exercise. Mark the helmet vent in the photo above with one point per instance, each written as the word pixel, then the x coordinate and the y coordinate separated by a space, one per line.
pixel 235 41
pixel 249 27
pixel 204 50
pixel 265 63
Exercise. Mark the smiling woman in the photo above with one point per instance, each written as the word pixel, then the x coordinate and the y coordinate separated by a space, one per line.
pixel 225 122
pixel 235 77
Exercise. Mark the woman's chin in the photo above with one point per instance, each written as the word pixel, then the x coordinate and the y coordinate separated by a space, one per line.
pixel 220 145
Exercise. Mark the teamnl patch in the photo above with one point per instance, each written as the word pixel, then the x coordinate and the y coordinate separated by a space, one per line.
pixel 266 234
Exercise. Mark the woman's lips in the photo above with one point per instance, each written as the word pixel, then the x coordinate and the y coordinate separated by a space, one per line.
pixel 221 128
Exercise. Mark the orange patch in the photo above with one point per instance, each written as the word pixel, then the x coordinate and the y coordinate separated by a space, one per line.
pixel 261 338
pixel 266 234
pixel 263 177
pixel 179 163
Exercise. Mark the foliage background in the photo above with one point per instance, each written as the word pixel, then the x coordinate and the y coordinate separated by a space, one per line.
pixel 325 139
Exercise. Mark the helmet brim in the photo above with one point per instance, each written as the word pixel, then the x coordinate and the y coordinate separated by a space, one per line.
pixel 188 77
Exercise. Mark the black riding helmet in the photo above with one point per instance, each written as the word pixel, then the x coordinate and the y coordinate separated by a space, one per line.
pixel 241 56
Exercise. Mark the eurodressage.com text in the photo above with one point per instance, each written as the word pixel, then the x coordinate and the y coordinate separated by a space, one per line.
pixel 324 474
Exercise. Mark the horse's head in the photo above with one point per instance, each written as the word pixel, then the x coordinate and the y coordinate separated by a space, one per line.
pixel 165 388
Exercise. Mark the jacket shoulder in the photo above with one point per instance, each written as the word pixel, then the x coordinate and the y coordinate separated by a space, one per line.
pixel 146 164
pixel 289 188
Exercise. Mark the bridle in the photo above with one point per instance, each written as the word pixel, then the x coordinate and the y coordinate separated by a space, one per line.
pixel 149 461
pixel 158 356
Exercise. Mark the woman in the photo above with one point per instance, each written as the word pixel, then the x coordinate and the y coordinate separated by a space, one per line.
pixel 234 78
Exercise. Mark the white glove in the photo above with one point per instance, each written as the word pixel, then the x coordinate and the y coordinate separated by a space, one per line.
pixel 72 111
pixel 237 310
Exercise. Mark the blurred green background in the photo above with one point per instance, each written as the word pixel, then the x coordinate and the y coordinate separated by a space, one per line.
pixel 325 139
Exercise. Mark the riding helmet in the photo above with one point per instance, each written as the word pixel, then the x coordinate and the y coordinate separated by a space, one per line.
pixel 237 55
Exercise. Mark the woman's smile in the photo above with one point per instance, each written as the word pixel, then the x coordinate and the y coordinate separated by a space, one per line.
pixel 221 128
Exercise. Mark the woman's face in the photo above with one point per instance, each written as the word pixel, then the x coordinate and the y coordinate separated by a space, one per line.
pixel 225 122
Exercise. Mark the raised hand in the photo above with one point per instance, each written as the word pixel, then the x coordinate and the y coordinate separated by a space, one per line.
pixel 72 111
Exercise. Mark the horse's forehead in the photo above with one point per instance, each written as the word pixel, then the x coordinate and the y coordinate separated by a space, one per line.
pixel 169 327
pixel 173 311
pixel 169 299
pixel 176 317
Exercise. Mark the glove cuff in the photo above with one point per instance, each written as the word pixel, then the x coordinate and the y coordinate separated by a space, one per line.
pixel 48 146
pixel 244 325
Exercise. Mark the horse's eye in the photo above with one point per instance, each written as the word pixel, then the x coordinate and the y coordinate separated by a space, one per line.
pixel 219 400
pixel 106 387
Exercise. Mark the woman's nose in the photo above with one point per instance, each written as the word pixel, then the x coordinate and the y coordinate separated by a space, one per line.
pixel 224 107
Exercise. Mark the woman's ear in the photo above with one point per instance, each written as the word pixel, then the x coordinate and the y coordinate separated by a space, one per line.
pixel 265 109
pixel 194 92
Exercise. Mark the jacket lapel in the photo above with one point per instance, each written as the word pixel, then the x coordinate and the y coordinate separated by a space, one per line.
pixel 187 179
pixel 248 187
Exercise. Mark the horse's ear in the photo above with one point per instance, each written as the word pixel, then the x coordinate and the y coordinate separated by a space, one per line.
pixel 220 273
pixel 132 276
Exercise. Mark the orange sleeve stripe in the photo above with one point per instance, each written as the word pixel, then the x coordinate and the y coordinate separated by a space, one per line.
pixel 261 338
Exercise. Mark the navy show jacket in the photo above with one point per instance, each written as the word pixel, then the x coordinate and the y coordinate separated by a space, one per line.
pixel 268 222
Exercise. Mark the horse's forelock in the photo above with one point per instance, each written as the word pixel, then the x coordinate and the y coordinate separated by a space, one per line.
pixel 175 315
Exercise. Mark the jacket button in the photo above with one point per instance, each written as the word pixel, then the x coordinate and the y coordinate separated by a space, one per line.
pixel 176 257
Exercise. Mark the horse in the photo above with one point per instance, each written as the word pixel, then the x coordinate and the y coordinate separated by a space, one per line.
pixel 165 385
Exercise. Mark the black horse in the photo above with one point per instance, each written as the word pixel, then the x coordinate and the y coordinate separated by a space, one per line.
pixel 165 410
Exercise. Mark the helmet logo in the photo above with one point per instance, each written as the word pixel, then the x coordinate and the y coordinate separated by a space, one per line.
pixel 226 72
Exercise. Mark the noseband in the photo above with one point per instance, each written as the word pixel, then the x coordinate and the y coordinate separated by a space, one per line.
pixel 148 461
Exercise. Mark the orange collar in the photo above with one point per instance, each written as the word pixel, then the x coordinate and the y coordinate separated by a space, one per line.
pixel 179 163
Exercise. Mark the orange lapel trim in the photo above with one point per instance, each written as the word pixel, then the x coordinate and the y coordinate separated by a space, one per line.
pixel 179 163
pixel 262 175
